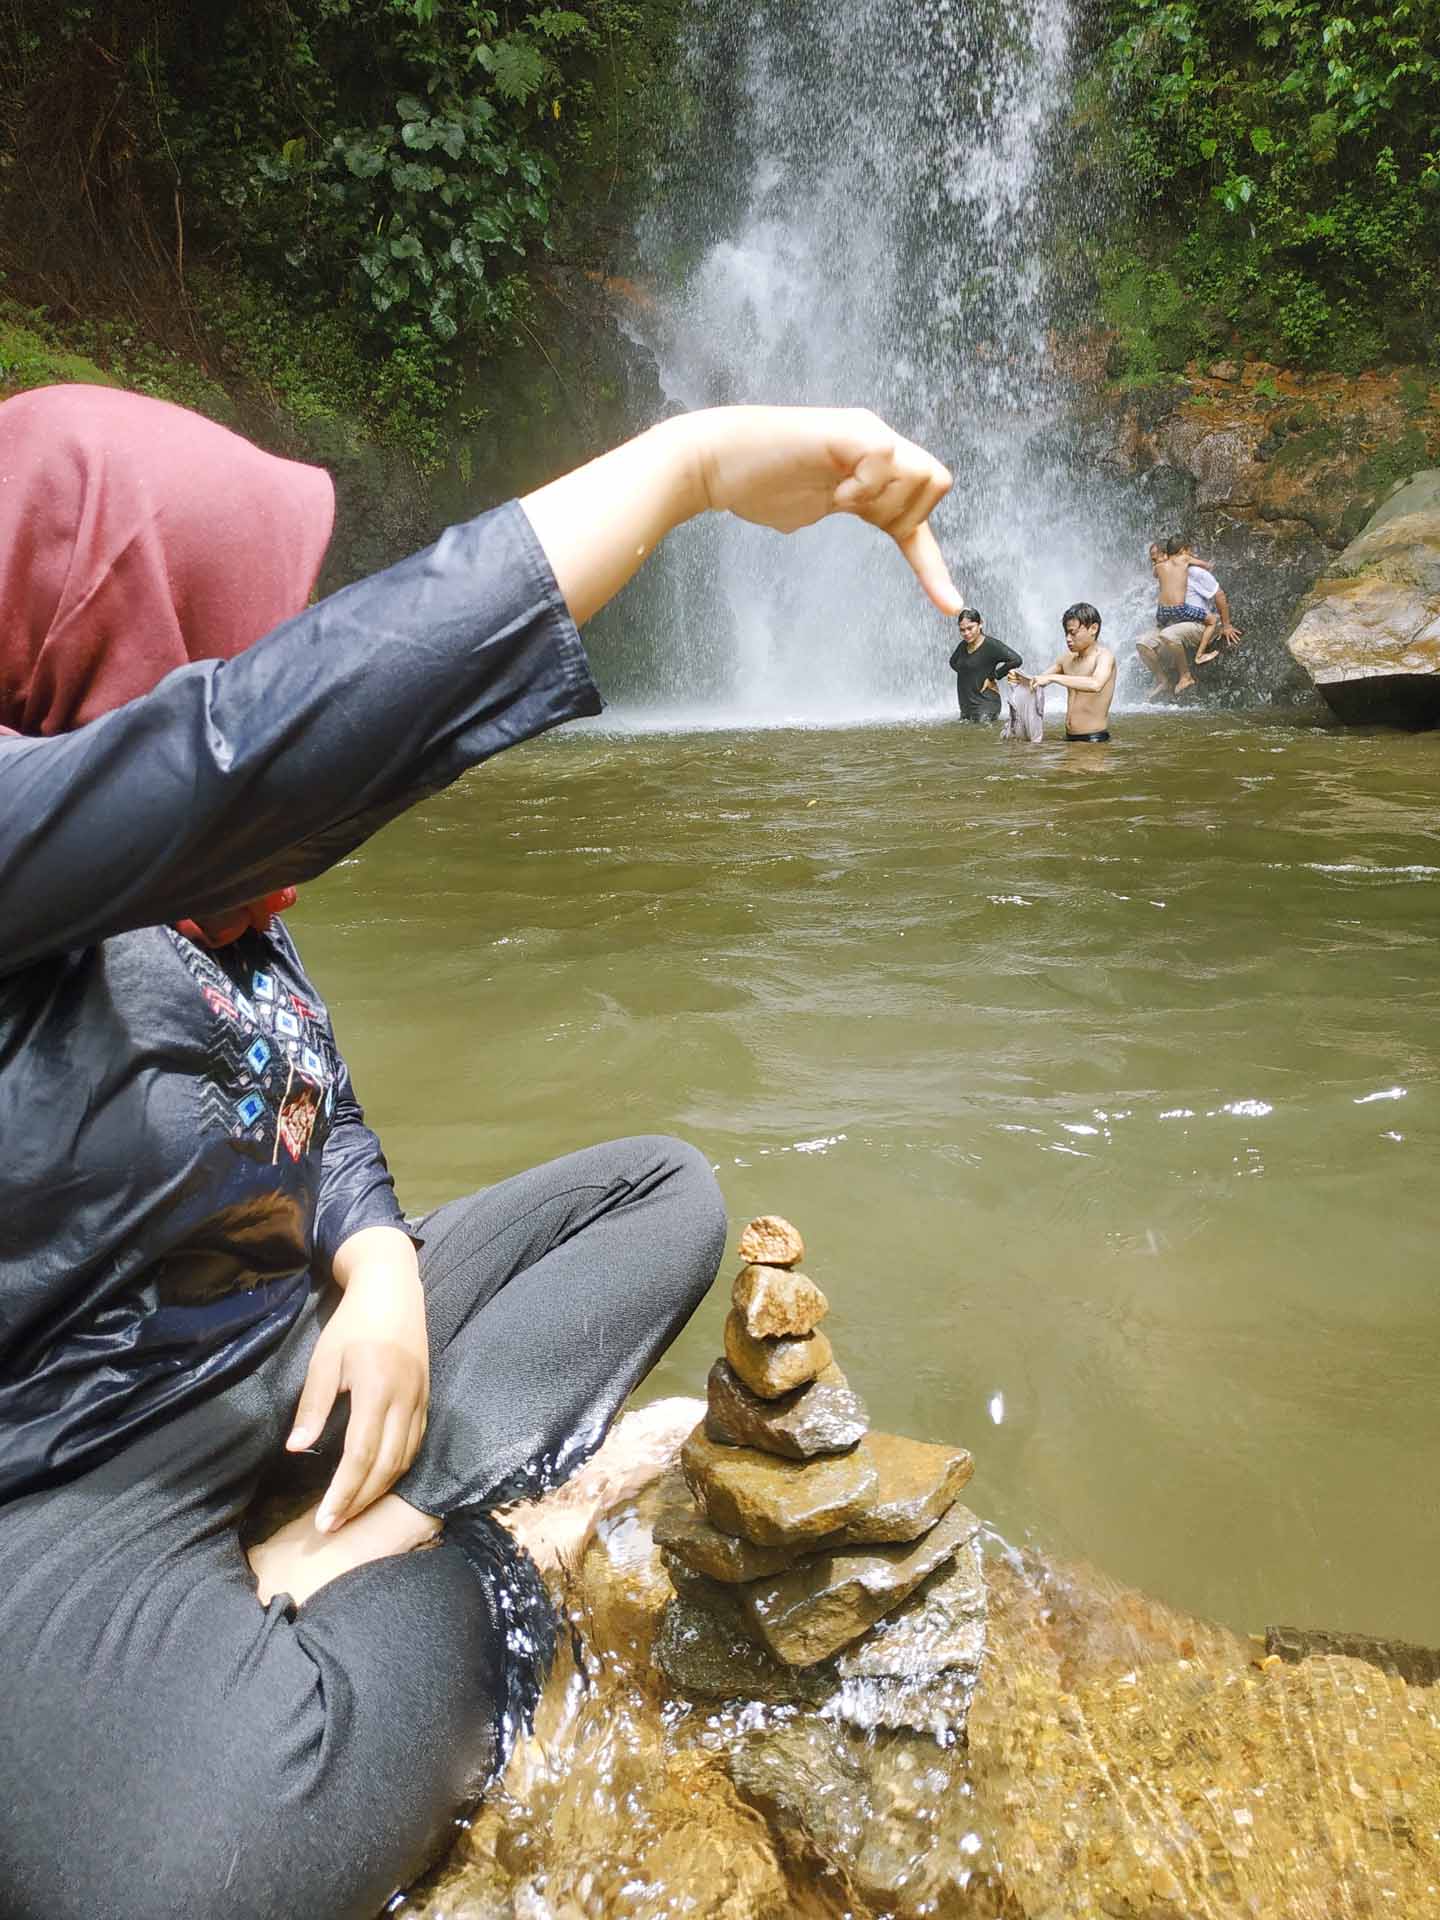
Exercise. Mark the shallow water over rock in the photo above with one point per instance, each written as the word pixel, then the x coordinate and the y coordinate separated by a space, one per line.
pixel 1122 1759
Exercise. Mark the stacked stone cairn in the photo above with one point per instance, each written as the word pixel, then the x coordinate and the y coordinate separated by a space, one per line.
pixel 813 1560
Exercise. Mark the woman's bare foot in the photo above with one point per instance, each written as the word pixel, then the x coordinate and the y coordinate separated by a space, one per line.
pixel 297 1558
pixel 556 1528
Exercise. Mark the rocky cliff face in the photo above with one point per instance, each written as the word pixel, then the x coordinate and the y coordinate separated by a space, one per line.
pixel 1271 472
pixel 1368 633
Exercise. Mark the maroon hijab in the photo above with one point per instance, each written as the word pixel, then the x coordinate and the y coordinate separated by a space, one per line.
pixel 135 536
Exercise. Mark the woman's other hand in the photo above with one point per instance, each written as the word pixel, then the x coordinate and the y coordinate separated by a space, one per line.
pixel 375 1349
pixel 787 467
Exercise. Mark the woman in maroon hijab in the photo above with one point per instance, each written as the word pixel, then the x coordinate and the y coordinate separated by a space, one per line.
pixel 203 1263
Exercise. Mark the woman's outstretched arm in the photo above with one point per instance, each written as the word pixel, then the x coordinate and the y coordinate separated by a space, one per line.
pixel 781 467
pixel 233 778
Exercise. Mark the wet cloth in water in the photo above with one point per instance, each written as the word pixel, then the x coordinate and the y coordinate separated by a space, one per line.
pixel 1024 715
pixel 174 1749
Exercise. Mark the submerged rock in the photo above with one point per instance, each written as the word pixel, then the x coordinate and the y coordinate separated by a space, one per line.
pixel 816 1608
pixel 769 1241
pixel 1368 633
pixel 919 1665
pixel 774 1300
pixel 1419 1666
pixel 1120 1758
pixel 772 1367
pixel 826 1416
pixel 775 1502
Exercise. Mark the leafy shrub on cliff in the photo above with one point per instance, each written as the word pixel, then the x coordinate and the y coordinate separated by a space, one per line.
pixel 1286 158
pixel 388 172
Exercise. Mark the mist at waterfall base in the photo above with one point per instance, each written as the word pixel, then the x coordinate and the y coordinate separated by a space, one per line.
pixel 883 205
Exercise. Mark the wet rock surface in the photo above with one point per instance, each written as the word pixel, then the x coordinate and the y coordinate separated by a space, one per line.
pixel 1121 1759
pixel 916 1482
pixel 707 1650
pixel 816 1608
pixel 690 1538
pixel 826 1416
pixel 774 1300
pixel 774 1502
pixel 1368 633
pixel 917 1669
pixel 772 1367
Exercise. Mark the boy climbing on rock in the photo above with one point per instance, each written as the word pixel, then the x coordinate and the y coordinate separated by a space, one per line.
pixel 1189 596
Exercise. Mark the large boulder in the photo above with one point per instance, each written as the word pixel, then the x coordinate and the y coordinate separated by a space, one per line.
pixel 1368 632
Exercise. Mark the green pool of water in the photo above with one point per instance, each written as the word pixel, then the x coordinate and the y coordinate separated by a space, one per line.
pixel 1103 1082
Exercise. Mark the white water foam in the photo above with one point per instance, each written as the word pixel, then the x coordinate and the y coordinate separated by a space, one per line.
pixel 879 222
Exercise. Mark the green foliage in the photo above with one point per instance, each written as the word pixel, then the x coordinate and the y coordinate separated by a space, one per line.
pixel 1287 161
pixel 401 156
pixel 354 195
pixel 30 356
pixel 34 354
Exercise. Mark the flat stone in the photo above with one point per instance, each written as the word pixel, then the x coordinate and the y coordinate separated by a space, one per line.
pixel 916 1482
pixel 708 1652
pixel 774 1366
pixel 772 1242
pixel 820 1606
pixel 777 1300
pixel 774 1502
pixel 824 1417
pixel 715 1595
pixel 688 1536
pixel 938 1628
pixel 916 1669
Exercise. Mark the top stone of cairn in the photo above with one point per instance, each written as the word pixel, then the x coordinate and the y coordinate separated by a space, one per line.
pixel 769 1241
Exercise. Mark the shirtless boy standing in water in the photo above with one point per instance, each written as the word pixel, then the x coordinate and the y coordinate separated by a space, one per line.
pixel 1087 671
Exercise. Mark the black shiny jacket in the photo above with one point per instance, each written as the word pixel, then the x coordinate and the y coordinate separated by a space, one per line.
pixel 181 1152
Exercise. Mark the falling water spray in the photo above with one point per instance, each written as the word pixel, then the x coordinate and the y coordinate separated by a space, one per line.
pixel 876 205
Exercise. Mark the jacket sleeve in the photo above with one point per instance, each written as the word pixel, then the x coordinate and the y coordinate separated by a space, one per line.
pixel 233 778
pixel 356 1189
pixel 1006 660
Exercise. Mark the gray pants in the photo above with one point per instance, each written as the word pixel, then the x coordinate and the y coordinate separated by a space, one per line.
pixel 170 1749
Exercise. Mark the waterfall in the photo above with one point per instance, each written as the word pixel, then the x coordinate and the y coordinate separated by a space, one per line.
pixel 874 204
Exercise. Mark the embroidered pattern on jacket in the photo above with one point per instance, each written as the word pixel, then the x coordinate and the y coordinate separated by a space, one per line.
pixel 271 1064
